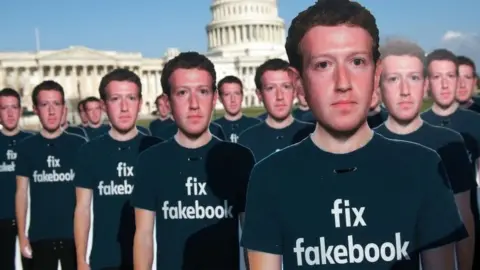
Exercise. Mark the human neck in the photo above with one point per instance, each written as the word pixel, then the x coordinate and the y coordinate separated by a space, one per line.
pixel 341 143
pixel 123 136
pixel 193 142
pixel 164 118
pixel 233 117
pixel 303 108
pixel 404 128
pixel 51 135
pixel 374 111
pixel 445 111
pixel 95 125
pixel 279 124
pixel 12 132
pixel 466 104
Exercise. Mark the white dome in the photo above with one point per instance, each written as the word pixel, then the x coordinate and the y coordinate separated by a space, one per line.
pixel 238 25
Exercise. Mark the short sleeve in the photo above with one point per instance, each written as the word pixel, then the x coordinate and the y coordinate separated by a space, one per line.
pixel 83 169
pixel 219 132
pixel 23 165
pixel 243 138
pixel 438 221
pixel 244 165
pixel 457 164
pixel 261 231
pixel 476 154
pixel 143 195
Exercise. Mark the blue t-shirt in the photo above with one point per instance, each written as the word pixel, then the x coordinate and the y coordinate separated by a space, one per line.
pixel 375 208
pixel 233 129
pixel 8 158
pixel 262 116
pixel 297 113
pixel 49 166
pixel 449 145
pixel 77 130
pixel 197 195
pixel 264 140
pixel 378 118
pixel 92 133
pixel 465 122
pixel 107 167
pixel 170 131
pixel 157 125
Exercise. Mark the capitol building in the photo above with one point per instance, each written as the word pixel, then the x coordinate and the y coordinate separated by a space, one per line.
pixel 242 34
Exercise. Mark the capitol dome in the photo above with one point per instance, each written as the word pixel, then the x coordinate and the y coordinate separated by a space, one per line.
pixel 245 26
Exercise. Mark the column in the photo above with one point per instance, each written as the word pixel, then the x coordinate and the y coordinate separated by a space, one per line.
pixel 214 37
pixel 220 32
pixel 231 31
pixel 272 34
pixel 237 34
pixel 158 90
pixel 73 80
pixel 85 86
pixel 209 39
pixel 244 34
pixel 151 88
pixel 63 78
pixel 39 74
pixel 225 35
pixel 265 33
pixel 250 32
pixel 2 77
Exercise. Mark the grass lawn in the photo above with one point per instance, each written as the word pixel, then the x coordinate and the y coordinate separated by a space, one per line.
pixel 256 111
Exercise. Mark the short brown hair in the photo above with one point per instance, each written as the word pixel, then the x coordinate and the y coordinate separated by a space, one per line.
pixel 329 13
pixel 441 55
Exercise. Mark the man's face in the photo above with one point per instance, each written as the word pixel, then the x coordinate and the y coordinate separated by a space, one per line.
pixel 93 110
pixel 466 84
pixel 192 100
pixel 122 105
pixel 163 108
pixel 83 115
pixel 403 86
pixel 50 108
pixel 277 93
pixel 338 75
pixel 231 96
pixel 10 112
pixel 443 79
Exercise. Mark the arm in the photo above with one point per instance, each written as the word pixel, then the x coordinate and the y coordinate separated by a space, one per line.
pixel 458 166
pixel 465 248
pixel 261 261
pixel 477 171
pixel 143 241
pixel 439 225
pixel 241 218
pixel 82 222
pixel 144 199
pixel 243 168
pixel 262 235
pixel 21 208
pixel 441 258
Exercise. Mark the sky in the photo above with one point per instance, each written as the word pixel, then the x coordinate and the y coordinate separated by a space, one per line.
pixel 152 26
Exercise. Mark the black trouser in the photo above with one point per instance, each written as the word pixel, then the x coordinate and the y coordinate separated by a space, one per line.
pixel 47 253
pixel 8 238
